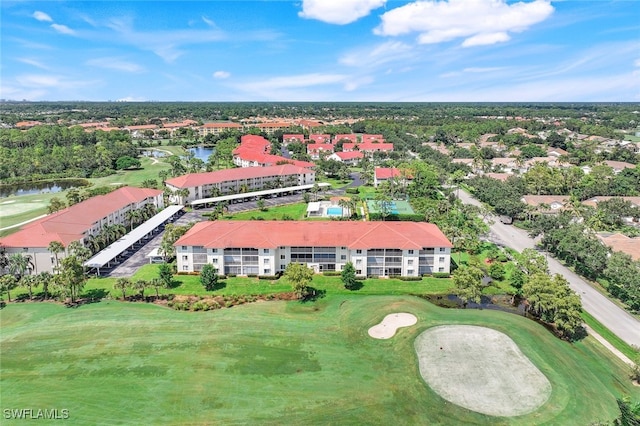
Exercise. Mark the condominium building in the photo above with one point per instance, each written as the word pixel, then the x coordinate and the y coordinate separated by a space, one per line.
pixel 77 223
pixel 267 247
pixel 235 181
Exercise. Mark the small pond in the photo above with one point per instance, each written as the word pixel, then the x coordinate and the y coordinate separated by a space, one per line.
pixel 498 303
pixel 202 152
pixel 43 187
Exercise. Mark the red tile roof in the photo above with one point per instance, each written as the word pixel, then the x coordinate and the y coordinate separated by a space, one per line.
pixel 354 235
pixel 254 148
pixel 320 138
pixel 317 147
pixel 197 179
pixel 222 125
pixel 350 137
pixel 387 172
pixel 368 146
pixel 69 224
pixel 620 242
pixel 349 155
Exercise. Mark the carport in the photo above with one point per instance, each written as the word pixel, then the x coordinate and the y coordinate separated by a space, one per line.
pixel 259 194
pixel 108 254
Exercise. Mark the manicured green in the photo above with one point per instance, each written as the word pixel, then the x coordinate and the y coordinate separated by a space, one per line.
pixel 191 285
pixel 296 211
pixel 273 363
pixel 617 342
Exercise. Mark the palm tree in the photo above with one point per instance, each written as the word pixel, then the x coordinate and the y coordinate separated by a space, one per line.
pixel 122 284
pixel 140 285
pixel 7 283
pixel 157 284
pixel 29 282
pixel 45 279
pixel 56 247
pixel 18 265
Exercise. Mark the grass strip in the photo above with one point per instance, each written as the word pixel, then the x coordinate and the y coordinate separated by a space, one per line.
pixel 617 343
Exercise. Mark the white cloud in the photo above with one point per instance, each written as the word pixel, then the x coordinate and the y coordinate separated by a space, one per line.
pixel 63 29
pixel 117 64
pixel 41 16
pixel 636 63
pixel 221 74
pixel 296 81
pixel 479 22
pixel 33 62
pixel 384 53
pixel 338 11
pixel 209 22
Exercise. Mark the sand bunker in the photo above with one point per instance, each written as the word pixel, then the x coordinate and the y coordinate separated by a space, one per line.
pixel 392 322
pixel 480 369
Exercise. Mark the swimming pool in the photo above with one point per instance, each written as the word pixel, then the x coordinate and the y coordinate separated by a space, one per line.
pixel 334 211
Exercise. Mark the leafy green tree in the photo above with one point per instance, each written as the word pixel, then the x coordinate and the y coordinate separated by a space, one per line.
pixel 157 283
pixel 29 282
pixel 467 284
pixel 260 204
pixel 55 204
pixel 7 283
pixel 122 284
pixel 127 162
pixel 56 247
pixel 141 286
pixel 209 277
pixel 496 271
pixel 45 279
pixel 72 276
pixel 629 413
pixel 300 276
pixel 348 276
pixel 165 274
pixel 18 265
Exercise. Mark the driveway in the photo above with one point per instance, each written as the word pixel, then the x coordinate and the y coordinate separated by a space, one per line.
pixel 616 319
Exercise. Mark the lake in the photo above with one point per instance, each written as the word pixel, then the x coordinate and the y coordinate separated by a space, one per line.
pixel 28 188
pixel 202 152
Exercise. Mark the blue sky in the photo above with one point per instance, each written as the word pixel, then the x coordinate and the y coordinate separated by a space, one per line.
pixel 321 50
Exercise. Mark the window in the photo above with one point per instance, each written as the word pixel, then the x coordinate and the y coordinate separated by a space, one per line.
pixel 183 247
pixel 265 261
pixel 185 268
pixel 267 271
pixel 358 261
pixel 358 251
pixel 358 271
pixel 441 269
pixel 410 251
pixel 214 250
pixel 442 249
pixel 410 262
pixel 409 271
pixel 53 260
pixel 343 257
pixel 214 260
pixel 343 248
pixel 282 256
pixel 441 259
pixel 265 251
pixel 185 257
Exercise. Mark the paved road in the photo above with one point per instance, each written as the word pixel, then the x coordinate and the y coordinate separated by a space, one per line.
pixel 613 317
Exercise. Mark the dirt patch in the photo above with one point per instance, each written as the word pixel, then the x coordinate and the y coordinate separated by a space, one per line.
pixel 390 324
pixel 480 369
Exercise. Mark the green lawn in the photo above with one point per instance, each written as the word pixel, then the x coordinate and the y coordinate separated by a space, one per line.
pixel 296 211
pixel 273 363
pixel 190 285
